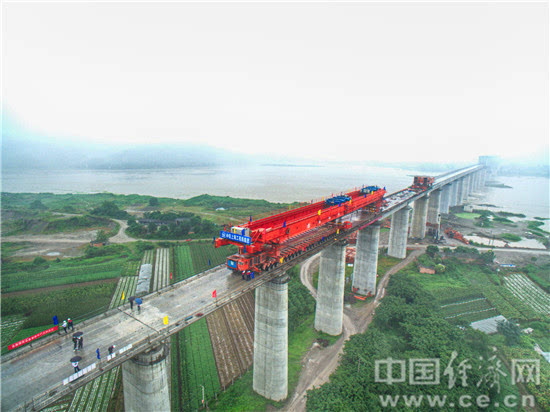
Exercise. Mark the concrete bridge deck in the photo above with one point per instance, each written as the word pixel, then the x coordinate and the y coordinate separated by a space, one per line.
pixel 44 368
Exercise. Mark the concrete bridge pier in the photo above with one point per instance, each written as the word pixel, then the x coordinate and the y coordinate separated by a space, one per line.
pixel 459 192
pixel 475 180
pixel 445 199
pixel 398 233
pixel 434 203
pixel 420 215
pixel 329 311
pixel 452 196
pixel 270 370
pixel 366 260
pixel 465 190
pixel 146 381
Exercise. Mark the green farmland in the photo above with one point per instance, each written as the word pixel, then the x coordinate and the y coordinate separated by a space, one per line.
pixel 193 367
pixel 194 257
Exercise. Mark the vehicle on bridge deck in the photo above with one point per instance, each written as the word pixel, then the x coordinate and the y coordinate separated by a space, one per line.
pixel 423 182
pixel 265 243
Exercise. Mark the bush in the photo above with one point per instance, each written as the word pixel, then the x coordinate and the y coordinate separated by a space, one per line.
pixel 510 237
pixel 143 246
pixel 101 236
pixel 92 252
pixel 488 257
pixel 37 205
pixel 110 209
pixel 439 268
pixel 39 260
pixel 510 331
pixel 431 250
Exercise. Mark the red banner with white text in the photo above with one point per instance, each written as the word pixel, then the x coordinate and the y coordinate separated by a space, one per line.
pixel 33 337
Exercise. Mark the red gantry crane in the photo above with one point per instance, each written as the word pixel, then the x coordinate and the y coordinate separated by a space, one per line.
pixel 265 243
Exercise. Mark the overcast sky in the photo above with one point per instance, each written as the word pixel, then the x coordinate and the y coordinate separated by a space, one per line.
pixel 416 81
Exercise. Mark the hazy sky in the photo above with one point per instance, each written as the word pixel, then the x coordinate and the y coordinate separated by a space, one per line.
pixel 415 81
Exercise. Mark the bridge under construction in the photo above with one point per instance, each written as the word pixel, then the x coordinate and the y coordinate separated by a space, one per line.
pixel 34 377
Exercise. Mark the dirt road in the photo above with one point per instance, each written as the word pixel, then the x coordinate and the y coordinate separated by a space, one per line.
pixel 320 363
pixel 121 236
pixel 63 244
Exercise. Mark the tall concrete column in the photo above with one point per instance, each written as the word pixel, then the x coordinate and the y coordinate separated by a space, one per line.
pixel 270 375
pixel 146 381
pixel 465 190
pixel 445 199
pixel 452 197
pixel 366 260
pixel 434 204
pixel 399 232
pixel 476 181
pixel 479 180
pixel 420 214
pixel 329 312
pixel 459 192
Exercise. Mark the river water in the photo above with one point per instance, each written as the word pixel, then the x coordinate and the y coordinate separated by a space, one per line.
pixel 528 195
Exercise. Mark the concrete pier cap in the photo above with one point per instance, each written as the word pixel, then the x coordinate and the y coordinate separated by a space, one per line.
pixel 146 381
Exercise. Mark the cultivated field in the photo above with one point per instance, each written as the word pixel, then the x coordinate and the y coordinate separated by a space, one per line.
pixel 127 286
pixel 232 332
pixel 10 326
pixel 161 272
pixel 528 292
pixel 196 257
pixel 61 273
pixel 184 263
pixel 468 309
pixel 193 367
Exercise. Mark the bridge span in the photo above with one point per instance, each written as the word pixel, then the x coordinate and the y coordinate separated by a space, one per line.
pixel 34 377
